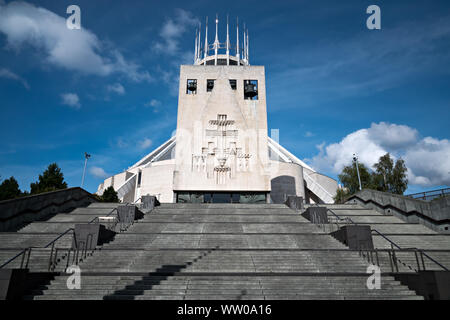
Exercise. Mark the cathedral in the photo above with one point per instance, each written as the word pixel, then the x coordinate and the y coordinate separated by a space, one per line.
pixel 221 152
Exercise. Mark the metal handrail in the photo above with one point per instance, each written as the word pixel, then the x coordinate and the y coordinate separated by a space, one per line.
pixel 59 237
pixel 431 259
pixel 135 201
pixel 430 194
pixel 50 243
pixel 392 242
pixel 13 258
pixel 29 248
pixel 393 258
pixel 96 218
pixel 346 218
pixel 387 239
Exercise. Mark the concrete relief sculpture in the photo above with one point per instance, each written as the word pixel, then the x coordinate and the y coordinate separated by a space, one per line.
pixel 221 157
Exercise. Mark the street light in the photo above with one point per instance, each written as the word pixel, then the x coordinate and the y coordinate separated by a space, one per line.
pixel 86 157
pixel 355 159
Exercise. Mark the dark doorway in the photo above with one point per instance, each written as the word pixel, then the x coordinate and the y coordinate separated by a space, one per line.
pixel 221 197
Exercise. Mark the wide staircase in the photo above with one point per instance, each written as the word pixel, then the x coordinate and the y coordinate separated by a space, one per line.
pixel 213 251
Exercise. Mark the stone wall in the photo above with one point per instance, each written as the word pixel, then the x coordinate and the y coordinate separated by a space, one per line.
pixel 434 214
pixel 17 212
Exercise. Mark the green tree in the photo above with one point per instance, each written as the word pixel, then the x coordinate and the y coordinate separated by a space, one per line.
pixel 9 189
pixel 341 194
pixel 349 178
pixel 50 180
pixel 390 176
pixel 399 178
pixel 109 195
pixel 383 172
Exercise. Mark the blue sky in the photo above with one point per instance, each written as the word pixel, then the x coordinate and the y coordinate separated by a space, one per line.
pixel 333 86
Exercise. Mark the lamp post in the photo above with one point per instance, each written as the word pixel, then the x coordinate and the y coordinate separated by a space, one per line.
pixel 355 159
pixel 86 157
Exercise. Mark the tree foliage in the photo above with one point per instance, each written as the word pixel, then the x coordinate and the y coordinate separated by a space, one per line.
pixel 50 180
pixel 9 189
pixel 399 178
pixel 341 194
pixel 349 178
pixel 109 195
pixel 389 176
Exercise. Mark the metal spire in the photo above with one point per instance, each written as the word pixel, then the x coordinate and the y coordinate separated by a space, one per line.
pixel 199 42
pixel 206 39
pixel 203 52
pixel 216 41
pixel 237 39
pixel 199 49
pixel 244 54
pixel 196 45
pixel 247 55
pixel 228 45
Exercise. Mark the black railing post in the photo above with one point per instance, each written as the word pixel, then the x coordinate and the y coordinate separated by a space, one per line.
pixel 28 258
pixel 51 256
pixel 394 257
pixel 55 259
pixel 23 258
pixel 390 260
pixel 423 261
pixel 417 260
pixel 68 258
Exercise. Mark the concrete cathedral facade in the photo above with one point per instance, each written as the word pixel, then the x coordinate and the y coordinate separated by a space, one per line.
pixel 221 151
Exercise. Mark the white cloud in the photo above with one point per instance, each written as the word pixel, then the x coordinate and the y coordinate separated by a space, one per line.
pixel 77 50
pixel 98 172
pixel 173 30
pixel 117 88
pixel 131 145
pixel 154 104
pixel 429 162
pixel 337 155
pixel 392 136
pixel 309 134
pixel 144 144
pixel 71 100
pixel 5 73
pixel 427 159
pixel 121 143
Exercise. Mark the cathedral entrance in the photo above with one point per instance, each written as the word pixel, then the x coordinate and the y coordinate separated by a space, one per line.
pixel 221 197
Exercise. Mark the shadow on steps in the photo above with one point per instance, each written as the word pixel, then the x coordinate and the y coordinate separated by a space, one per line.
pixel 163 273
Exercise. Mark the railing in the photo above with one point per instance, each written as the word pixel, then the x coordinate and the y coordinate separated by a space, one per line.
pixel 420 258
pixel 373 256
pixel 430 195
pixel 53 259
pixel 21 253
pixel 27 251
pixel 368 253
pixel 79 253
